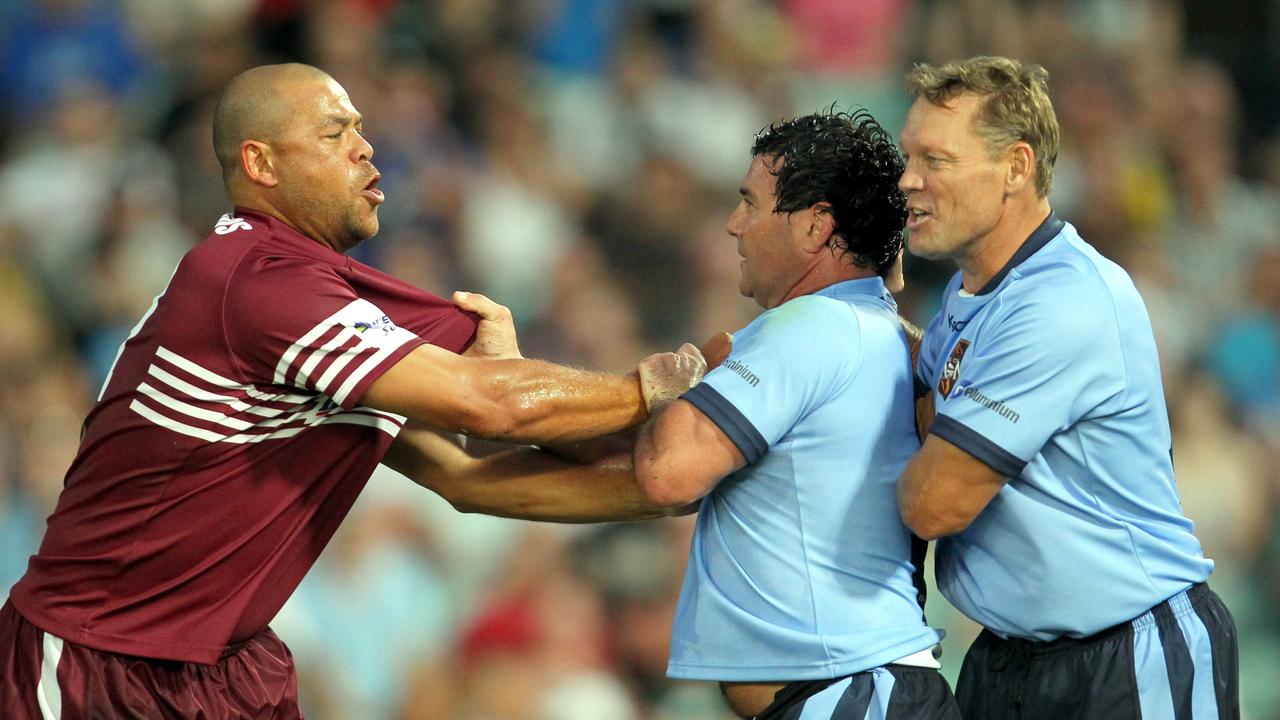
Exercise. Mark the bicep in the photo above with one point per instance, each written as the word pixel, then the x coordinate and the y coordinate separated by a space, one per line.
pixel 682 455
pixel 944 488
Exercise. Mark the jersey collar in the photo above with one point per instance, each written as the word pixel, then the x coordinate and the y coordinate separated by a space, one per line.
pixel 283 231
pixel 1047 231
pixel 872 286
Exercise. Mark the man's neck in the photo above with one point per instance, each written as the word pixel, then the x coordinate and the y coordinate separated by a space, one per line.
pixel 824 275
pixel 990 254
pixel 264 206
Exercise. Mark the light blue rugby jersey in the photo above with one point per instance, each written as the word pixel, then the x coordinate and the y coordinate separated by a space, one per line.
pixel 800 566
pixel 1049 375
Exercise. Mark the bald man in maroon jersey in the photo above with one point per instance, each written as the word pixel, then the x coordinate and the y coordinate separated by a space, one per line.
pixel 247 410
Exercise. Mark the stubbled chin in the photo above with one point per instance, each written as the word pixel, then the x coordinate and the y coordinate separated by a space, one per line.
pixel 919 245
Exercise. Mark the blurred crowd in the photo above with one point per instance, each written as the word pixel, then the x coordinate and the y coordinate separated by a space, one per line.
pixel 577 161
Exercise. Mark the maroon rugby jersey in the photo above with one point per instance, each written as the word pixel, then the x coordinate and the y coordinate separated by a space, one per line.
pixel 227 445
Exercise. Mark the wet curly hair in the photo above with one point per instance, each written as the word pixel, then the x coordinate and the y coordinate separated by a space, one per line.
pixel 850 163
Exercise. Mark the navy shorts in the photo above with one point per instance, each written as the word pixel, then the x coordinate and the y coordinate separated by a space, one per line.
pixel 1178 661
pixel 891 692
pixel 43 677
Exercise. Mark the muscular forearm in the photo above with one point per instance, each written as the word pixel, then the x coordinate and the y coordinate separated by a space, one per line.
pixel 552 404
pixel 535 402
pixel 522 482
pixel 588 451
pixel 515 400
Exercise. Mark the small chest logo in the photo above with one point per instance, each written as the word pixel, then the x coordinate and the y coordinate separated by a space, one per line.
pixel 230 223
pixel 951 371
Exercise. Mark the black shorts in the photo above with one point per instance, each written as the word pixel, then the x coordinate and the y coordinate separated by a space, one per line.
pixel 892 692
pixel 1178 661
pixel 44 677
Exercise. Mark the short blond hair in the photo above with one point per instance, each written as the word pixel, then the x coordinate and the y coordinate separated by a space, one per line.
pixel 1015 104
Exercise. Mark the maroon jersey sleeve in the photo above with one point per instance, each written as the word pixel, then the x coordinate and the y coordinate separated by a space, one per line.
pixel 428 316
pixel 294 322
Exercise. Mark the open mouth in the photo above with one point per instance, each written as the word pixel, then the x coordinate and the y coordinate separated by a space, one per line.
pixel 916 217
pixel 372 193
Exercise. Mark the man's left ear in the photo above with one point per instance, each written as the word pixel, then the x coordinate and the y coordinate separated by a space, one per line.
pixel 819 228
pixel 1022 168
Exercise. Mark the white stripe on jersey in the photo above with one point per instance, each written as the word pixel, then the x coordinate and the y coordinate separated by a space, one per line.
pixel 171 403
pixel 341 394
pixel 323 351
pixel 192 410
pixel 389 423
pixel 359 318
pixel 215 379
pixel 136 328
pixel 286 360
pixel 203 395
pixel 48 691
pixel 341 362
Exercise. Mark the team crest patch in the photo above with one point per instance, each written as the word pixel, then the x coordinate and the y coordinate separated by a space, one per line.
pixel 951 371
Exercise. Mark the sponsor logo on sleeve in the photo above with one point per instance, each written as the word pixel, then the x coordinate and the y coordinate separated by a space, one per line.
pixel 382 326
pixel 995 406
pixel 742 371
pixel 951 371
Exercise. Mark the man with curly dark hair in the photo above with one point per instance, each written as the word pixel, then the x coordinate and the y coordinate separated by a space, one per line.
pixel 800 593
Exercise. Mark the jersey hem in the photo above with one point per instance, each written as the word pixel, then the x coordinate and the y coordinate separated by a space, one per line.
pixel 788 673
pixel 202 654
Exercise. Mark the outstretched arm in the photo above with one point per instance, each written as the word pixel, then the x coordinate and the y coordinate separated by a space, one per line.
pixel 526 401
pixel 491 392
pixel 523 483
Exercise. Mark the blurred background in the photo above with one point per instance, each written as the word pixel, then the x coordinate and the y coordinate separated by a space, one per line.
pixel 577 161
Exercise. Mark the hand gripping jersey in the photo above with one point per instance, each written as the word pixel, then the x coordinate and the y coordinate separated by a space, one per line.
pixel 1049 375
pixel 227 444
pixel 800 566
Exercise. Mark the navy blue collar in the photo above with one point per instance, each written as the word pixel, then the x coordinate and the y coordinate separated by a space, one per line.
pixel 1047 231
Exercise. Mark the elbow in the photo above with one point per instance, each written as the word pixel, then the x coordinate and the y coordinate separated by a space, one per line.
pixel 930 525
pixel 465 507
pixel 669 496
pixel 665 490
